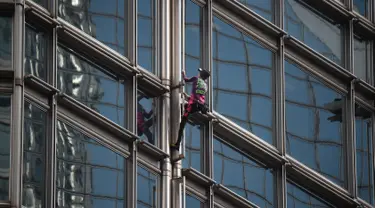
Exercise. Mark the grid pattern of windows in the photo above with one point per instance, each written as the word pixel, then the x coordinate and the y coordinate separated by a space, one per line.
pixel 314 123
pixel 243 175
pixel 34 148
pixel 91 85
pixel 88 173
pixel 242 74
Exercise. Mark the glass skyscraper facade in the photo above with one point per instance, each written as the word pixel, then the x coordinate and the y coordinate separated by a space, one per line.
pixel 89 104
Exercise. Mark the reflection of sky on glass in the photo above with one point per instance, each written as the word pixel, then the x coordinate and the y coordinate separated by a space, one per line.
pixel 242 79
pixel 262 7
pixel 145 183
pixel 145 34
pixel 251 181
pixel 360 6
pixel 307 27
pixel 192 147
pixel 365 181
pixel 297 198
pixel 93 170
pixel 192 202
pixel 311 135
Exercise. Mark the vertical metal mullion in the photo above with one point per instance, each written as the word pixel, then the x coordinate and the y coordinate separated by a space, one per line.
pixel 373 155
pixel 350 146
pixel 132 177
pixel 15 183
pixel 207 23
pixel 132 31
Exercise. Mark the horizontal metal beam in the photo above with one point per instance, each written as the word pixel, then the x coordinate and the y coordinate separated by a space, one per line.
pixel 232 197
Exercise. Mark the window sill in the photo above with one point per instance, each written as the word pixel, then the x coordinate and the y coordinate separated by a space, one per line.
pixel 319 185
pixel 198 177
pixel 5 204
pixel 40 85
pixel 363 27
pixel 333 9
pixel 248 142
pixel 40 15
pixel 365 88
pixel 95 117
pixel 151 84
pixel 6 81
pixel 154 151
pixel 233 197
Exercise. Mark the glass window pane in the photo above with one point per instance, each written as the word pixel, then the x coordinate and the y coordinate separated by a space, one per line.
pixel 363 127
pixel 263 7
pixel 146 119
pixel 103 20
pixel 192 147
pixel 5 42
pixel 362 59
pixel 88 174
pixel 35 53
pixel 34 156
pixel 43 3
pixel 362 7
pixel 251 180
pixel 313 30
pixel 91 85
pixel 314 124
pixel 146 31
pixel 298 198
pixel 242 80
pixel 5 112
pixel 192 201
pixel 147 189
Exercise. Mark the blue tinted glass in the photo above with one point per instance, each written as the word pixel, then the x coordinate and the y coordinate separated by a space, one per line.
pixel 314 124
pixel 193 202
pixel 313 30
pixel 192 147
pixel 251 180
pixel 146 119
pixel 242 80
pixel 100 19
pixel 35 53
pixel 5 42
pixel 362 59
pixel 146 188
pixel 193 40
pixel 363 127
pixel 361 6
pixel 86 170
pixel 262 7
pixel 145 25
pixel 88 83
pixel 297 198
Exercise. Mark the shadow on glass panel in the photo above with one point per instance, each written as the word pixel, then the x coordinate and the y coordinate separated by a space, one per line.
pixel 5 42
pixel 147 189
pixel 146 34
pixel 242 80
pixel 298 198
pixel 5 110
pixel 264 8
pixel 91 85
pixel 252 180
pixel 88 173
pixel 314 126
pixel 146 118
pixel 193 40
pixel 34 156
pixel 362 59
pixel 35 53
pixel 364 148
pixel 103 20
pixel 193 202
pixel 193 150
pixel 314 30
